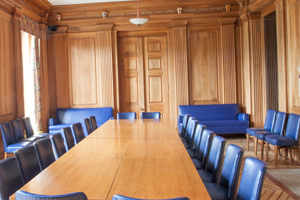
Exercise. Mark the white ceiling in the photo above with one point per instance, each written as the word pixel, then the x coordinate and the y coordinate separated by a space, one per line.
pixel 69 2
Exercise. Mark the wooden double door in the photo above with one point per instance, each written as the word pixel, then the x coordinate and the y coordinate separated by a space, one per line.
pixel 143 75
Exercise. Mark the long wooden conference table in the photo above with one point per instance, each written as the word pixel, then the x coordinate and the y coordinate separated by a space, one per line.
pixel 137 158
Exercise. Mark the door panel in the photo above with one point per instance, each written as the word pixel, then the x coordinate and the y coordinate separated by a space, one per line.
pixel 143 75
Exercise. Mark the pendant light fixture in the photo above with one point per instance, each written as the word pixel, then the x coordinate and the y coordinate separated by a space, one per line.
pixel 138 20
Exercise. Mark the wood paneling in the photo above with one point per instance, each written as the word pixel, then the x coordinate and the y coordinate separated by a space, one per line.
pixel 82 70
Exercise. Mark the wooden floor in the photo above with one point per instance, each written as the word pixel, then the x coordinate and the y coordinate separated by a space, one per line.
pixel 272 189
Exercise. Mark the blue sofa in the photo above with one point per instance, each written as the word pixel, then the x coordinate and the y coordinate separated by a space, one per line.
pixel 220 118
pixel 67 116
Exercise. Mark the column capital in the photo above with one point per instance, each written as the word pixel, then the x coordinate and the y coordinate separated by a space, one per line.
pixel 179 23
pixel 247 16
pixel 17 13
pixel 227 21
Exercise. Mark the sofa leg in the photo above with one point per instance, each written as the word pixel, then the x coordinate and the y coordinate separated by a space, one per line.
pixel 247 135
pixel 276 155
pixel 262 149
pixel 255 146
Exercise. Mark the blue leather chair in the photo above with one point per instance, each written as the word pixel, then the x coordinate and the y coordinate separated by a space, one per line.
pixel 289 140
pixel 126 115
pixel 88 125
pixel 77 132
pixel 182 125
pixel 22 195
pixel 214 163
pixel 193 151
pixel 19 131
pixel 28 163
pixel 58 144
pixel 201 161
pixel 227 188
pixel 93 122
pixel 68 138
pixel 44 152
pixel 268 126
pixel 9 142
pixel 29 130
pixel 185 132
pixel 120 197
pixel 277 130
pixel 10 177
pixel 150 115
pixel 190 133
pixel 252 179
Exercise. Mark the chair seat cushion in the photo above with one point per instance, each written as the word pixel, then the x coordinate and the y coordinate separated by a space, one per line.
pixel 262 134
pixel 18 145
pixel 186 145
pixel 197 163
pixel 216 191
pixel 191 153
pixel 205 176
pixel 29 139
pixel 41 135
pixel 224 123
pixel 251 131
pixel 59 126
pixel 280 140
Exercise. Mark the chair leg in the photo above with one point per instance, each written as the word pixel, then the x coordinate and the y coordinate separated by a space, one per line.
pixel 297 153
pixel 255 146
pixel 247 135
pixel 5 155
pixel 276 155
pixel 291 154
pixel 267 151
pixel 262 150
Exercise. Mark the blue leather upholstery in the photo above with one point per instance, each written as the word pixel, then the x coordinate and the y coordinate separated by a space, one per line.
pixel 22 195
pixel 150 115
pixel 227 189
pixel 29 130
pixel 77 132
pixel 93 122
pixel 44 152
pixel 268 125
pixel 67 116
pixel 252 179
pixel 186 131
pixel 28 163
pixel 10 145
pixel 121 197
pixel 201 161
pixel 68 138
pixel 18 131
pixel 126 115
pixel 220 118
pixel 190 131
pixel 10 177
pixel 193 151
pixel 88 126
pixel 182 125
pixel 58 144
pixel 214 163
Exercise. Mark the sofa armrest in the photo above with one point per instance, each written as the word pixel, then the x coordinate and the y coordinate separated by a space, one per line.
pixel 111 118
pixel 243 117
pixel 53 121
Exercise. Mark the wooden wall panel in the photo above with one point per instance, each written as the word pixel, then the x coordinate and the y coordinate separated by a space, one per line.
pixel 204 71
pixel 82 70
pixel 7 105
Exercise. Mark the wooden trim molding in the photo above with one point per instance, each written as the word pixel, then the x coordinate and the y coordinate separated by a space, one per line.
pixel 104 27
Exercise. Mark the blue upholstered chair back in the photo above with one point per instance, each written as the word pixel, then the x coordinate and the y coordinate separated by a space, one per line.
pixel 68 138
pixel 28 126
pixel 270 120
pixel 88 125
pixel 292 127
pixel 58 144
pixel 204 147
pixel 252 179
pixel 22 195
pixel 279 123
pixel 93 122
pixel 184 123
pixel 188 126
pixel 7 135
pixel 28 163
pixel 120 197
pixel 231 169
pixel 77 132
pixel 191 131
pixel 126 115
pixel 215 159
pixel 44 152
pixel 10 177
pixel 17 129
pixel 150 115
pixel 198 136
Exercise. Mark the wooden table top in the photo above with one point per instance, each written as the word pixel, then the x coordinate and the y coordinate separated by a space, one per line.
pixel 137 158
